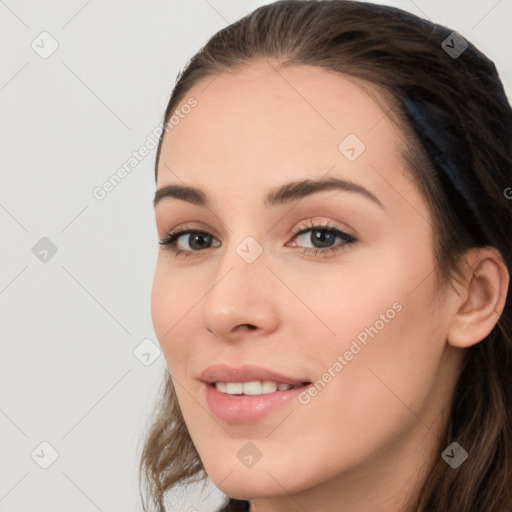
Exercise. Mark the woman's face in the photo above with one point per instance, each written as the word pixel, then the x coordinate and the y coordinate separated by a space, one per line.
pixel 358 319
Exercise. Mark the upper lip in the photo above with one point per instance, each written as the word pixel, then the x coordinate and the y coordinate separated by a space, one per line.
pixel 244 373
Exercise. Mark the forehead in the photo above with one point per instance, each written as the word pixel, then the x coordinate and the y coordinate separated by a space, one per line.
pixel 263 125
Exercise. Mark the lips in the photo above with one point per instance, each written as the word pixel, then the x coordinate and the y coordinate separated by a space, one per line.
pixel 240 409
pixel 246 373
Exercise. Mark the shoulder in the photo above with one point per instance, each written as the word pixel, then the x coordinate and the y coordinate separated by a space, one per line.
pixel 235 506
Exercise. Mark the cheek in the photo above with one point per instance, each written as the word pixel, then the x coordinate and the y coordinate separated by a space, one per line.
pixel 354 295
pixel 379 305
pixel 388 339
pixel 171 302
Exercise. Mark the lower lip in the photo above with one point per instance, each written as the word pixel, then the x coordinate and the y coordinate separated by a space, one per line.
pixel 243 409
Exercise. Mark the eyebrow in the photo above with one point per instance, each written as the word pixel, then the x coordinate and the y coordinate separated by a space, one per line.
pixel 280 195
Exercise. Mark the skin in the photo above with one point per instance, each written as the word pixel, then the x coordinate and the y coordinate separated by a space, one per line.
pixel 367 439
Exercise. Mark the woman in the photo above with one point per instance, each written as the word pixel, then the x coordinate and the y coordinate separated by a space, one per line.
pixel 331 293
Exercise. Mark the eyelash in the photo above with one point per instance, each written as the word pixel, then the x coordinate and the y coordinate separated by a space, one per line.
pixel 169 242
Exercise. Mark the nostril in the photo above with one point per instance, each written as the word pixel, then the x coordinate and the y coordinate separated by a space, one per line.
pixel 245 326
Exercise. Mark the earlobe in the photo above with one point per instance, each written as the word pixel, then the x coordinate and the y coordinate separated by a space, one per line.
pixel 483 298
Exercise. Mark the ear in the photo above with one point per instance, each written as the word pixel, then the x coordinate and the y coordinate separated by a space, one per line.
pixel 481 297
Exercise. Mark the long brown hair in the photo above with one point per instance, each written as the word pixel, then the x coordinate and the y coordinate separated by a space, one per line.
pixel 391 52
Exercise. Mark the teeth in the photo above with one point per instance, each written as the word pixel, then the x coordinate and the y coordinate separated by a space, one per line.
pixel 234 388
pixel 256 387
pixel 267 386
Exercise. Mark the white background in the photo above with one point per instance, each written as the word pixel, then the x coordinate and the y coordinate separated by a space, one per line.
pixel 69 326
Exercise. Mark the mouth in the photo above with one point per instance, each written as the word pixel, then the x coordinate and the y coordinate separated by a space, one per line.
pixel 255 387
pixel 247 373
pixel 248 393
pixel 243 403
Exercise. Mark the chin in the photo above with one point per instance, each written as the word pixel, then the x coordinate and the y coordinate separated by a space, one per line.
pixel 266 479
pixel 246 485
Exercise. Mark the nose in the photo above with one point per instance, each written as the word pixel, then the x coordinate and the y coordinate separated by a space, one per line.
pixel 241 299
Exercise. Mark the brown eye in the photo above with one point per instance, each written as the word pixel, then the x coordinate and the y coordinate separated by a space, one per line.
pixel 322 238
pixel 197 241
